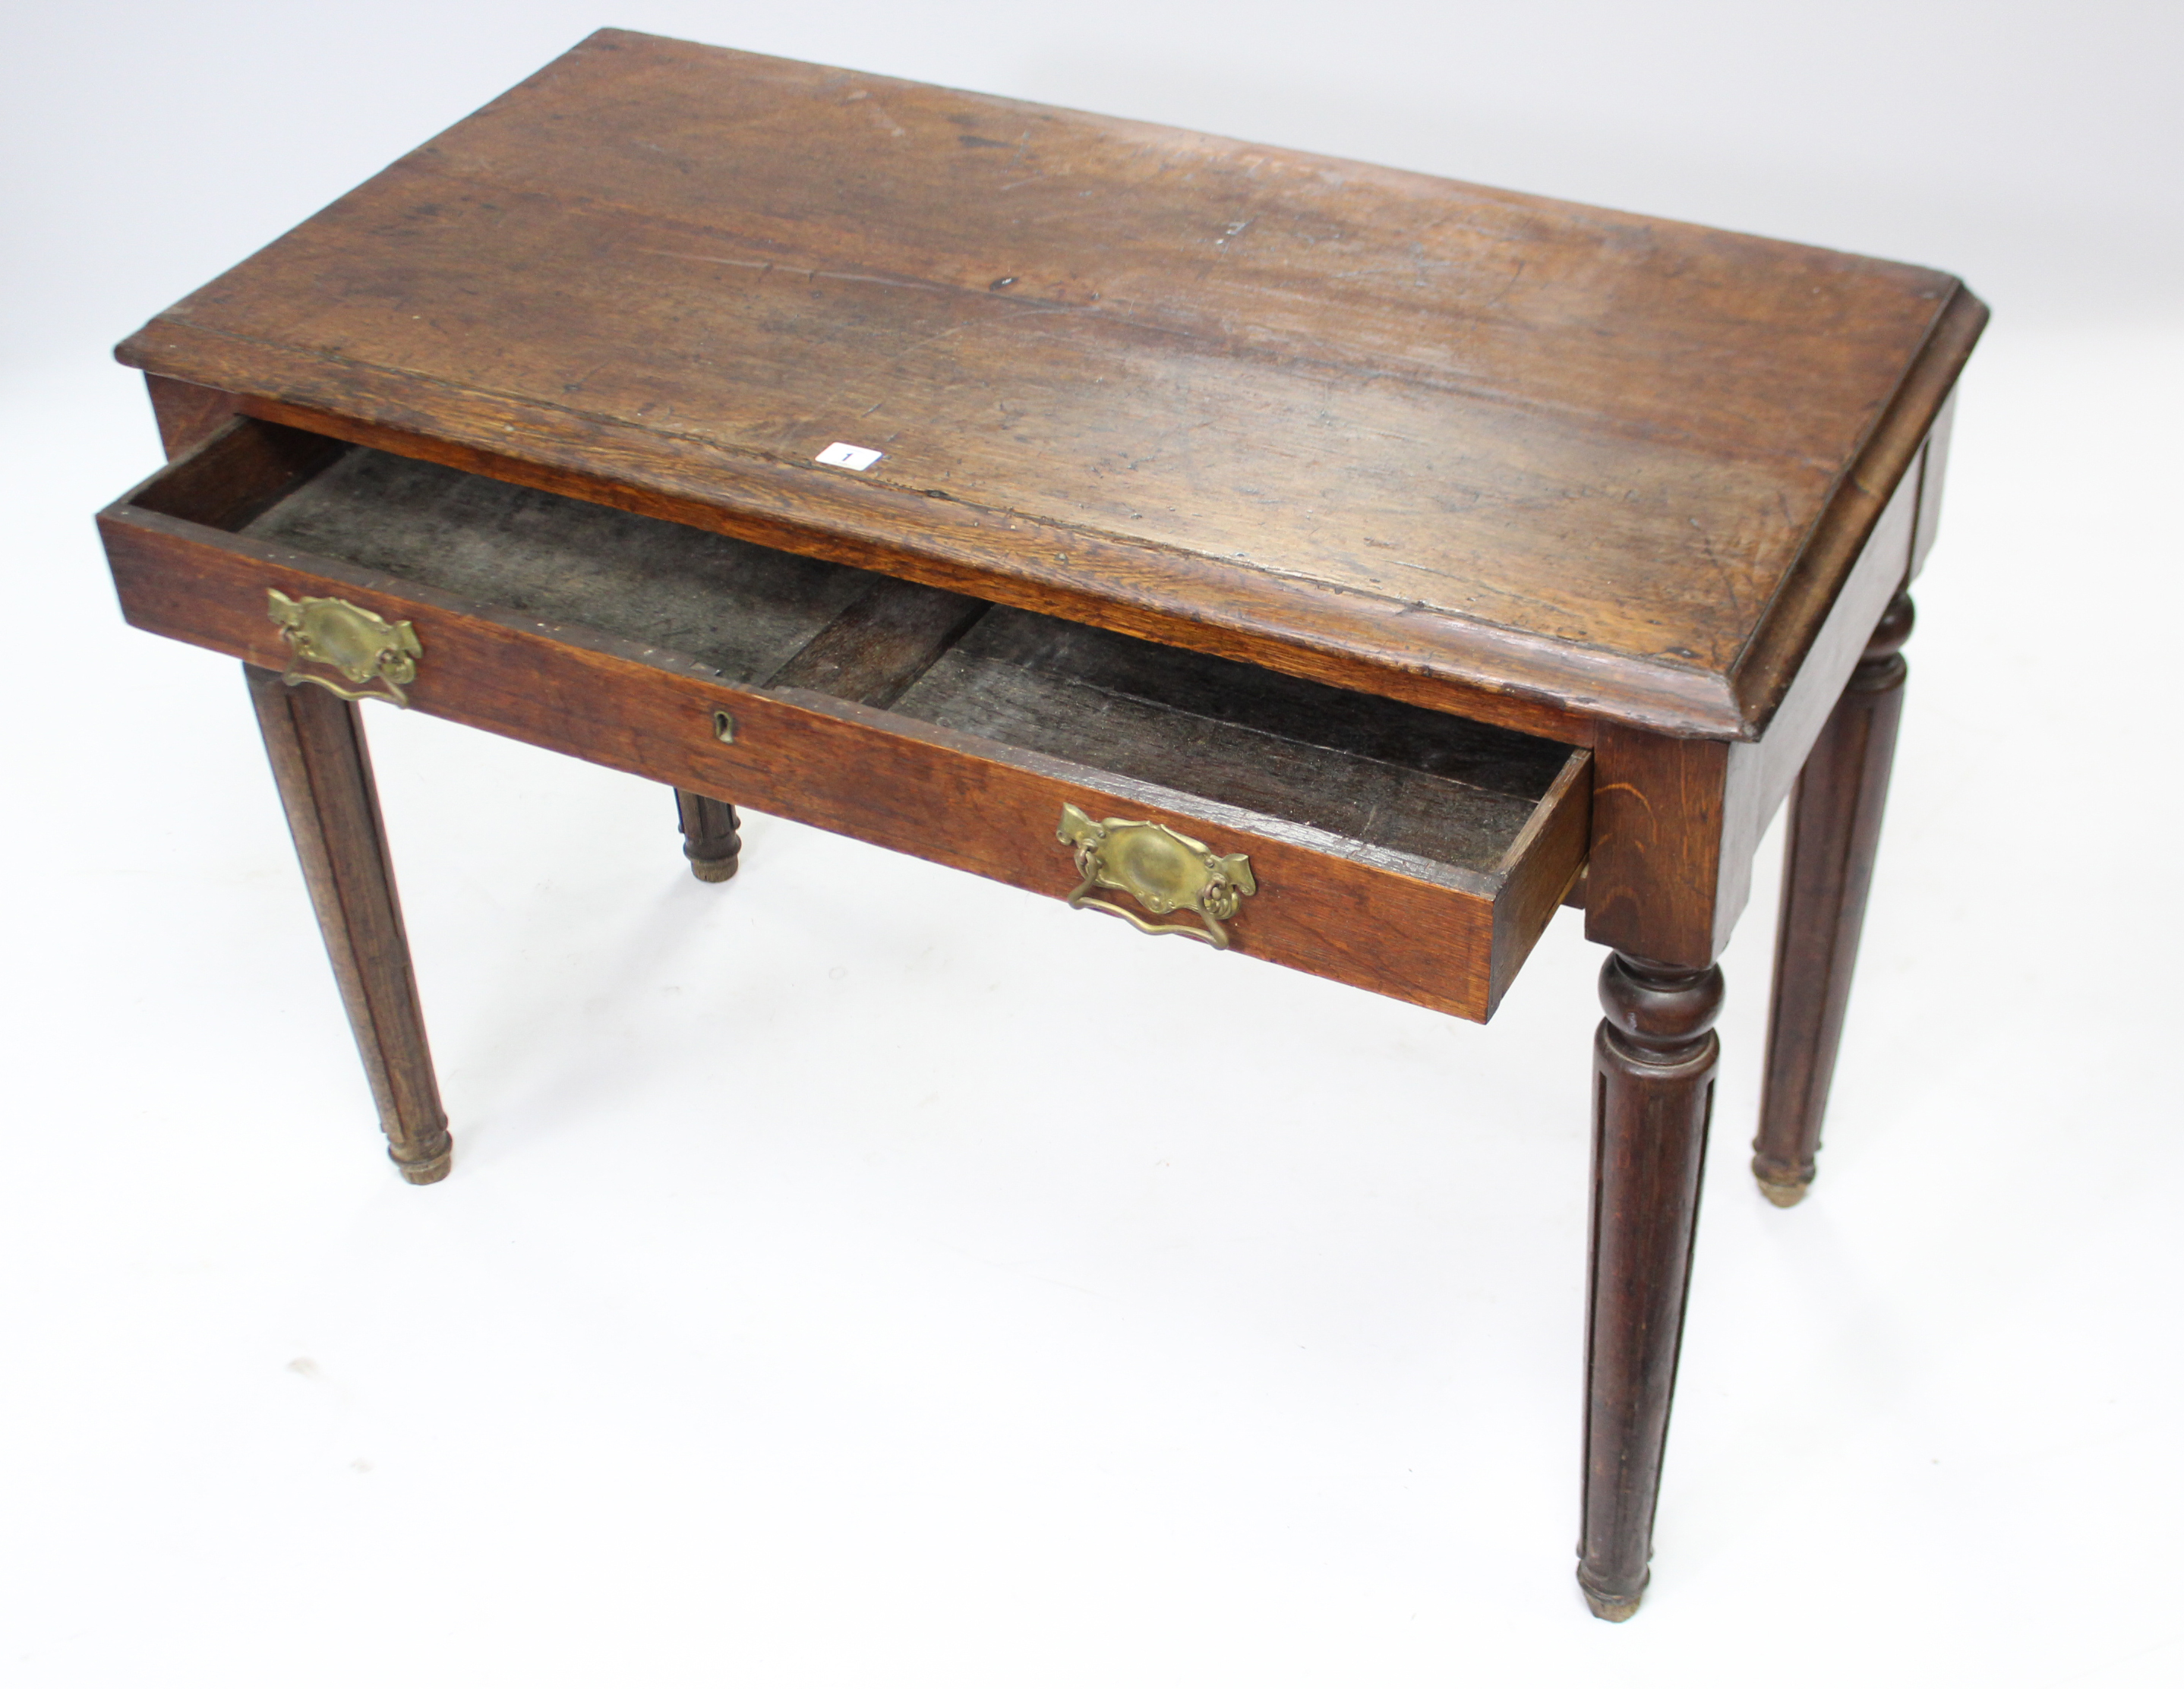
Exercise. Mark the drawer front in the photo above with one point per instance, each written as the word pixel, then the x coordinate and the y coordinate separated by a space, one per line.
pixel 1431 935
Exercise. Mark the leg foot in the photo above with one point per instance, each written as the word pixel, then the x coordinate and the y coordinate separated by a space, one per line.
pixel 1653 1072
pixel 711 839
pixel 315 743
pixel 1827 870
pixel 1782 1193
pixel 432 1169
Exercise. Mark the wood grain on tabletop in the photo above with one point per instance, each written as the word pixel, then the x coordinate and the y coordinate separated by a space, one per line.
pixel 1338 418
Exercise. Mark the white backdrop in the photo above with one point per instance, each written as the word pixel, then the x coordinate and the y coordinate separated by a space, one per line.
pixel 816 1300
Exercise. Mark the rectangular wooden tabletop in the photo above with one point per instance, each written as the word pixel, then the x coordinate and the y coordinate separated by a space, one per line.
pixel 1401 433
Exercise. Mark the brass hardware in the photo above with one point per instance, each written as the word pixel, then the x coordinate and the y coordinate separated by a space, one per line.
pixel 724 726
pixel 1160 867
pixel 378 657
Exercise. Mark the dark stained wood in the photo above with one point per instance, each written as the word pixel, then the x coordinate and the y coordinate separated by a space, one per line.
pixel 742 610
pixel 1834 831
pixel 1452 553
pixel 1653 1064
pixel 1326 417
pixel 188 416
pixel 710 836
pixel 1347 765
pixel 315 743
pixel 241 470
pixel 1363 767
pixel 882 645
pixel 1665 864
pixel 1377 911
pixel 1365 644
pixel 1537 872
pixel 1762 773
pixel 1677 821
pixel 1876 500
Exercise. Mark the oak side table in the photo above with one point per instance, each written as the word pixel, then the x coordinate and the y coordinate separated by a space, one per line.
pixel 1335 564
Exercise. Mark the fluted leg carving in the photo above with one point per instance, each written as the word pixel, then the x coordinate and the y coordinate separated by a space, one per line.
pixel 1654 1067
pixel 1834 830
pixel 709 836
pixel 315 742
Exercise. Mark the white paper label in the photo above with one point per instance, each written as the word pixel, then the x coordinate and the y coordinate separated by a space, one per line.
pixel 844 455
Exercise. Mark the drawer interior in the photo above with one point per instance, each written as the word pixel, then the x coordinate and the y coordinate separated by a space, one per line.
pixel 741 609
pixel 1002 714
pixel 1390 776
pixel 1380 773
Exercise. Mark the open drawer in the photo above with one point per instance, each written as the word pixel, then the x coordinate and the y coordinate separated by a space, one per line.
pixel 1414 854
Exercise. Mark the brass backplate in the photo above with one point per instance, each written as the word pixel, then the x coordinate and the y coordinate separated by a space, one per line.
pixel 1162 869
pixel 369 656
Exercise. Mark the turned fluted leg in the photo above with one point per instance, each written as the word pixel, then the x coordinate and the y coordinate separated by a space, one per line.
pixel 315 742
pixel 710 837
pixel 1834 828
pixel 1653 1071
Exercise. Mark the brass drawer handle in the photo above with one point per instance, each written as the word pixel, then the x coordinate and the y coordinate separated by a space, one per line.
pixel 1160 867
pixel 377 657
